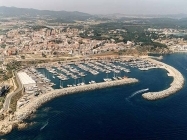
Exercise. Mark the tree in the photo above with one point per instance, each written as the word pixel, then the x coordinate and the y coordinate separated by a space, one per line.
pixel 55 53
pixel 22 57
pixel 44 55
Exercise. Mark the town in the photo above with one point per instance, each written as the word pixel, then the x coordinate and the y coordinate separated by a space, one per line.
pixel 41 59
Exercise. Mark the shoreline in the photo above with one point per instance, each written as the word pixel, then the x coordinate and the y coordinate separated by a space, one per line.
pixel 23 113
pixel 176 85
pixel 16 120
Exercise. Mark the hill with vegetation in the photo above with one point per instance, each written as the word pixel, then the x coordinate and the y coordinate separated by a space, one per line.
pixel 59 15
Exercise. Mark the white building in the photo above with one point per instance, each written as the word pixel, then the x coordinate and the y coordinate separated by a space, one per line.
pixel 26 80
pixel 129 43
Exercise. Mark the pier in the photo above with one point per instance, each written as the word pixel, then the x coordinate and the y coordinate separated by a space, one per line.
pixel 176 85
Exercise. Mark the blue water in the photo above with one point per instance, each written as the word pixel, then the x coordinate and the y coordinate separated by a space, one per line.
pixel 107 114
pixel 86 79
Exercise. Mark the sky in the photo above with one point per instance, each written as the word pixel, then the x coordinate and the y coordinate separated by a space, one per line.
pixel 131 7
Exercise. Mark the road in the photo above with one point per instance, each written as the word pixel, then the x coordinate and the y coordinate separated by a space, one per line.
pixel 10 95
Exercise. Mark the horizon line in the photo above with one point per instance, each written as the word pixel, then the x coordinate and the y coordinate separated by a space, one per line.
pixel 143 14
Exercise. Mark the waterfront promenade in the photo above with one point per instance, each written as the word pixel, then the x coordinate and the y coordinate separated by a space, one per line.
pixel 176 85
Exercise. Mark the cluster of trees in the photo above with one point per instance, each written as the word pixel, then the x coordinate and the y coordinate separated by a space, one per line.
pixel 154 44
pixel 135 33
pixel 3 46
pixel 57 41
pixel 39 27
pixel 175 36
pixel 61 20
pixel 22 57
pixel 44 55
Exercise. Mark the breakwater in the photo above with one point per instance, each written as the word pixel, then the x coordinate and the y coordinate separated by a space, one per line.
pixel 31 107
pixel 176 85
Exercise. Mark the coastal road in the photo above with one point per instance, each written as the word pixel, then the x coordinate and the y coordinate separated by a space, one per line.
pixel 10 95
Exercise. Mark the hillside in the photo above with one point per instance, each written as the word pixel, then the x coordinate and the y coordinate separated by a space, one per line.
pixel 24 12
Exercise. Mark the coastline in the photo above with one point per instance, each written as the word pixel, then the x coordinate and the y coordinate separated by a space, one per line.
pixel 16 120
pixel 21 114
pixel 176 85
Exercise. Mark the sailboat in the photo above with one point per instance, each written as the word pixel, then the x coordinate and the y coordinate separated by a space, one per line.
pixel 106 79
pixel 82 81
pixel 78 84
pixel 119 77
pixel 75 82
pixel 61 84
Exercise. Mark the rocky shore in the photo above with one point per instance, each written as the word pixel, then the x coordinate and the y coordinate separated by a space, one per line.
pixel 176 85
pixel 8 123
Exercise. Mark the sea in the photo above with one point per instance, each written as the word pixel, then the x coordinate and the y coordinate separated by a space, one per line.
pixel 117 113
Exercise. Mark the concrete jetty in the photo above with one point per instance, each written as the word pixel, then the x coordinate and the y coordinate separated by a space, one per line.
pixel 176 85
pixel 31 107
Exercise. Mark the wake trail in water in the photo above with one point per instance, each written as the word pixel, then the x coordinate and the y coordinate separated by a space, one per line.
pixel 137 92
pixel 47 122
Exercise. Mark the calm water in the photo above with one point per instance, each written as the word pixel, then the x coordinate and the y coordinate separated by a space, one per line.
pixel 113 113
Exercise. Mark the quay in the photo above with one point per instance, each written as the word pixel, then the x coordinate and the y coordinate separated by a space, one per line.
pixel 25 111
pixel 176 85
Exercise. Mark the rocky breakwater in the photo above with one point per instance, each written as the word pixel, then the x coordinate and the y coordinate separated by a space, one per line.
pixel 31 107
pixel 176 85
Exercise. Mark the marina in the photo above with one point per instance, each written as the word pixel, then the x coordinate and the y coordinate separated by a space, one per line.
pixel 112 83
pixel 68 75
pixel 93 70
pixel 65 79
pixel 73 76
pixel 64 76
pixel 51 77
